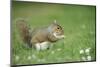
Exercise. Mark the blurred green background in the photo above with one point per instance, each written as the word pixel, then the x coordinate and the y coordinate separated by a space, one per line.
pixel 79 28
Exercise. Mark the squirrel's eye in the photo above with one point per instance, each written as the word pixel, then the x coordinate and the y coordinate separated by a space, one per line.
pixel 58 28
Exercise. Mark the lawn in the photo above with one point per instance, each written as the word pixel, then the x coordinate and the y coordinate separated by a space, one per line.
pixel 79 28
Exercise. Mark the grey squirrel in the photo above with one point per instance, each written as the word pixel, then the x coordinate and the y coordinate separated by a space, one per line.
pixel 40 38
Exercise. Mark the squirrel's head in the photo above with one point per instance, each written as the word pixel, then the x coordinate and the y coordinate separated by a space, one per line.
pixel 57 30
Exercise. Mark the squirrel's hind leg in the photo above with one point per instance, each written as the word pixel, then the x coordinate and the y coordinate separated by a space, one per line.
pixel 37 46
pixel 42 46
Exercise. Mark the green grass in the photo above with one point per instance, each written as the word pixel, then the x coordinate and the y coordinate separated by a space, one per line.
pixel 79 28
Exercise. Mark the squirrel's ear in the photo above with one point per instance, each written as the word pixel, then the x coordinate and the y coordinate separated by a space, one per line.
pixel 55 21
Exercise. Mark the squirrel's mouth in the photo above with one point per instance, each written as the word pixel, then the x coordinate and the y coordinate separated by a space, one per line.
pixel 59 36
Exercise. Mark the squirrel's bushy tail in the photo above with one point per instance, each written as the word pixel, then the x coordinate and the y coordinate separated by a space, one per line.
pixel 24 31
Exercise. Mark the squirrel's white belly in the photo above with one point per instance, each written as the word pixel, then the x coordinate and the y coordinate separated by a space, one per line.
pixel 42 46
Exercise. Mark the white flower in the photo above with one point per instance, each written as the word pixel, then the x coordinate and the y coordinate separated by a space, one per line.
pixel 52 52
pixel 91 32
pixel 42 60
pixel 33 56
pixel 83 26
pixel 79 34
pixel 88 58
pixel 29 57
pixel 17 57
pixel 87 50
pixel 39 60
pixel 58 49
pixel 81 51
pixel 83 58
